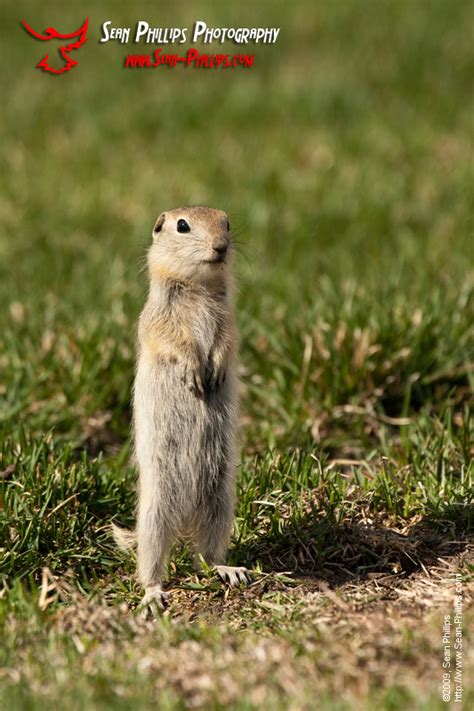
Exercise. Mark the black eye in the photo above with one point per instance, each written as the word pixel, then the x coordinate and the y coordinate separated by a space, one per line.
pixel 228 226
pixel 183 226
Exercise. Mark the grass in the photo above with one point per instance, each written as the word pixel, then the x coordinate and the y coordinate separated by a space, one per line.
pixel 344 159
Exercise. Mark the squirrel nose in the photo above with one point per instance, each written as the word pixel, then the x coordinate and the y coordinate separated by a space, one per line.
pixel 220 247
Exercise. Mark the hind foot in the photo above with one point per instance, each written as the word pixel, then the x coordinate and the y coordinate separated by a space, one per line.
pixel 155 600
pixel 233 575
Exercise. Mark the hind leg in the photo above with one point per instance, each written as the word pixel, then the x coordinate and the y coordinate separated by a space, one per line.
pixel 212 542
pixel 154 544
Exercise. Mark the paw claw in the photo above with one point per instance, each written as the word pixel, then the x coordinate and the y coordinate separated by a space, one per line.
pixel 197 385
pixel 218 379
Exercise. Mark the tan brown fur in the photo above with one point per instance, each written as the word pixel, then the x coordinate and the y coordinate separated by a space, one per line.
pixel 185 397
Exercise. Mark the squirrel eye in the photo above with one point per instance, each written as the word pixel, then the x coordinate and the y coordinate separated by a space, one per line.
pixel 183 226
pixel 228 226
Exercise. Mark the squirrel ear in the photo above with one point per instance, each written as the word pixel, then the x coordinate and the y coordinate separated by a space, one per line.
pixel 159 223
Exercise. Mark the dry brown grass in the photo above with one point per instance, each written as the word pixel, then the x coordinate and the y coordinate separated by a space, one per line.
pixel 364 636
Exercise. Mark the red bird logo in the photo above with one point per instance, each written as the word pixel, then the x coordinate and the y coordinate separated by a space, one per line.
pixel 64 50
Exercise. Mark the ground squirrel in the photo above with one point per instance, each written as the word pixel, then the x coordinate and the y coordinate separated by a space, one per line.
pixel 185 398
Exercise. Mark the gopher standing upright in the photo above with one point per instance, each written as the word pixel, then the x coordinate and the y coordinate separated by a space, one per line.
pixel 185 398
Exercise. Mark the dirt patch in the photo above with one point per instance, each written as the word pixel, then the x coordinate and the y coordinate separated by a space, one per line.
pixel 277 643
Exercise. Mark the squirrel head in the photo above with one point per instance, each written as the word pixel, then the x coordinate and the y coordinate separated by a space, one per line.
pixel 191 244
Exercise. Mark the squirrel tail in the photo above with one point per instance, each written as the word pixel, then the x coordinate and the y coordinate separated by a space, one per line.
pixel 124 538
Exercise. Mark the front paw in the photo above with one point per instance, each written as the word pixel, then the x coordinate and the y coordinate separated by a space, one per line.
pixel 215 377
pixel 193 378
